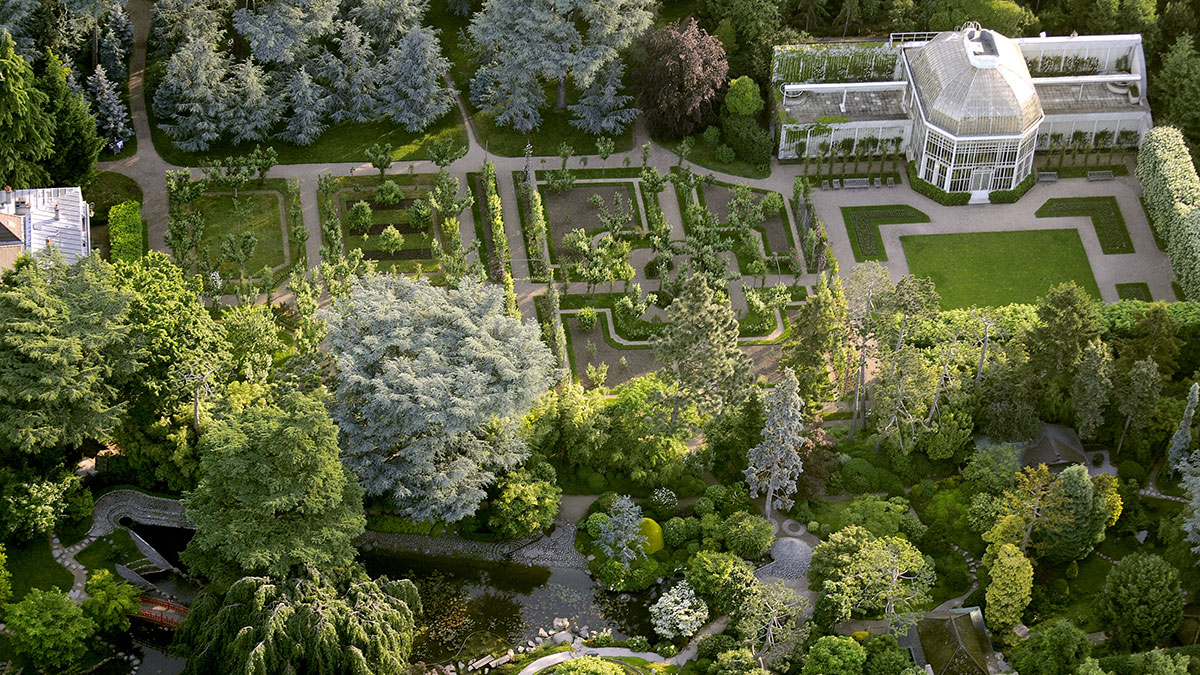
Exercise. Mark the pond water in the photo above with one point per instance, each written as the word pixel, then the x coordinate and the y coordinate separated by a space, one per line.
pixel 471 606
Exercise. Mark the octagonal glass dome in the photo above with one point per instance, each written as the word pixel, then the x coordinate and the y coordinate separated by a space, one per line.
pixel 974 82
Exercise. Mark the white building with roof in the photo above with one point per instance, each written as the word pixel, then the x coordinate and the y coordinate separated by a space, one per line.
pixel 968 107
pixel 31 220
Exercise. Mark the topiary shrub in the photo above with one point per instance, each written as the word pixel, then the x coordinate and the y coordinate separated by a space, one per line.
pixel 676 531
pixel 934 192
pixel 653 534
pixel 712 646
pixel 749 141
pixel 1011 196
pixel 712 135
pixel 858 476
pixel 1130 470
pixel 725 154
pixel 595 523
pixel 589 665
pixel 587 318
pixel 703 507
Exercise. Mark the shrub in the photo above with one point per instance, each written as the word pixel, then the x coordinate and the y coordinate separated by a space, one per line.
pixel 934 192
pixel 703 506
pixel 743 98
pixel 589 665
pixel 675 532
pixel 858 476
pixel 359 219
pixel 1172 190
pixel 751 142
pixel 1011 196
pixel 712 135
pixel 653 534
pixel 420 214
pixel 587 318
pixel 720 579
pixel 388 193
pixel 1129 470
pixel 664 499
pixel 642 575
pixel 725 154
pixel 748 535
pixel 712 646
pixel 126 234
pixel 595 522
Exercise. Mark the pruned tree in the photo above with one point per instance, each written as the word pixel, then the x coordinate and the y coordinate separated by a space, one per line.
pixel 774 465
pixel 699 350
pixel 429 383
pixel 1141 604
pixel 681 72
pixel 411 90
pixel 1008 594
pixel 772 618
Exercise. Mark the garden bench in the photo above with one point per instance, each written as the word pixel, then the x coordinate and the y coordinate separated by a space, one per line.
pixel 1047 177
pixel 837 184
pixel 1100 175
pixel 878 182
pixel 891 182
pixel 824 185
pixel 856 183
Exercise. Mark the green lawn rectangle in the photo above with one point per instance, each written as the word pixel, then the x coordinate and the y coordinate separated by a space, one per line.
pixel 33 566
pixel 862 226
pixel 999 268
pixel 1105 214
pixel 1135 291
pixel 261 216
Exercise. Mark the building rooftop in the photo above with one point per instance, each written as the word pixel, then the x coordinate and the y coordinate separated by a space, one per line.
pixel 860 105
pixel 48 215
pixel 1092 97
pixel 974 82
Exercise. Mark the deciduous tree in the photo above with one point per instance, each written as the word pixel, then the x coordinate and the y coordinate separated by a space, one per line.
pixel 1137 395
pixel 835 655
pixel 681 72
pixel 1053 648
pixel 110 600
pixel 1141 603
pixel 678 613
pixel 49 629
pixel 272 495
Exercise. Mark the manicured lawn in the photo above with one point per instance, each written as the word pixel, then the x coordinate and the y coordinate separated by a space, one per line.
pixel 999 268
pixel 705 155
pixel 862 226
pixel 1105 214
pixel 262 217
pixel 32 566
pixel 108 189
pixel 1135 292
pixel 555 130
pixel 109 550
pixel 382 217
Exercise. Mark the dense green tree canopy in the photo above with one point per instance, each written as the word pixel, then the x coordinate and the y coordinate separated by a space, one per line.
pixel 302 625
pixel 1141 602
pixel 27 131
pixel 1054 648
pixel 49 629
pixel 273 495
pixel 110 601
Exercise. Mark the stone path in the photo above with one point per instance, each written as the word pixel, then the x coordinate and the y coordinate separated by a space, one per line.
pixel 65 556
pixel 579 650
pixel 973 566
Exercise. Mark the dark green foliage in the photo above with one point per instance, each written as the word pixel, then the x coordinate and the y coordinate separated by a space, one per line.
pixel 1054 648
pixel 126 233
pixel 862 224
pixel 1141 602
pixel 27 130
pixel 935 193
pixel 1121 319
pixel 748 535
pixel 732 434
pixel 749 141
pixel 76 143
pixel 886 657
pixel 720 579
pixel 302 625
pixel 712 646
pixel 1015 194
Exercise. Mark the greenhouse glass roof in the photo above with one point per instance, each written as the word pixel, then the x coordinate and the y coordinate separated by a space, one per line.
pixel 974 83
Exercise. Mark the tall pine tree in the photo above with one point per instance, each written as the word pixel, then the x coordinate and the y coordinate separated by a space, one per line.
pixel 28 132
pixel 774 465
pixel 250 108
pixel 351 76
pixel 188 103
pixel 308 102
pixel 603 110
pixel 112 118
pixel 76 145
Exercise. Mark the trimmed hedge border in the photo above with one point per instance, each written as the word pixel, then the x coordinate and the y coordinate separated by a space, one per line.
pixel 1172 196
pixel 492 210
pixel 934 192
pixel 1015 194
pixel 1105 214
pixel 126 231
pixel 1135 291
pixel 862 225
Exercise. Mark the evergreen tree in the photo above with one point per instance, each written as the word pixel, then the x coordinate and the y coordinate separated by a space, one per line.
pixel 112 118
pixel 272 469
pixel 66 347
pixel 774 465
pixel 189 100
pixel 1181 440
pixel 16 19
pixel 28 132
pixel 388 20
pixel 308 102
pixel 1068 321
pixel 1177 87
pixel 431 431
pixel 1054 648
pixel 1137 395
pixel 351 76
pixel 1008 593
pixel 820 342
pixel 699 350
pixel 1154 336
pixel 250 108
pixel 602 109
pixel 76 145
pixel 302 625
pixel 1091 387
pixel 411 91
pixel 523 41
pixel 620 536
pixel 1075 519
pixel 115 40
pixel 887 575
pixel 1141 603
pixel 283 30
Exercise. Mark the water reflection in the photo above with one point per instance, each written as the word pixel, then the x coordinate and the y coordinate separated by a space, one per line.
pixel 471 606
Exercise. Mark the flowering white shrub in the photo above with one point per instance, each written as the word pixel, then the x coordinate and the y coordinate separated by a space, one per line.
pixel 678 613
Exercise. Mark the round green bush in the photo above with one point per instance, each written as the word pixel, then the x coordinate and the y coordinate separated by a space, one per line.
pixel 712 646
pixel 652 532
pixel 596 482
pixel 589 665
pixel 642 575
pixel 587 318
pixel 716 494
pixel 609 572
pixel 748 535
pixel 1131 470
pixel 725 154
pixel 704 506
pixel 594 523
pixel 675 532
pixel 712 135
pixel 858 476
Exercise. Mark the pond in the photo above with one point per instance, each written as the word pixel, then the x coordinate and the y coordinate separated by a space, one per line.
pixel 471 607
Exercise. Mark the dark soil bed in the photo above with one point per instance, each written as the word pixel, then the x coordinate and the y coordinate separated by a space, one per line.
pixel 406 254
pixel 716 198
pixel 570 210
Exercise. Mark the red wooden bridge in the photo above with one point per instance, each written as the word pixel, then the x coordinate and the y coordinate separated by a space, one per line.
pixel 161 612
